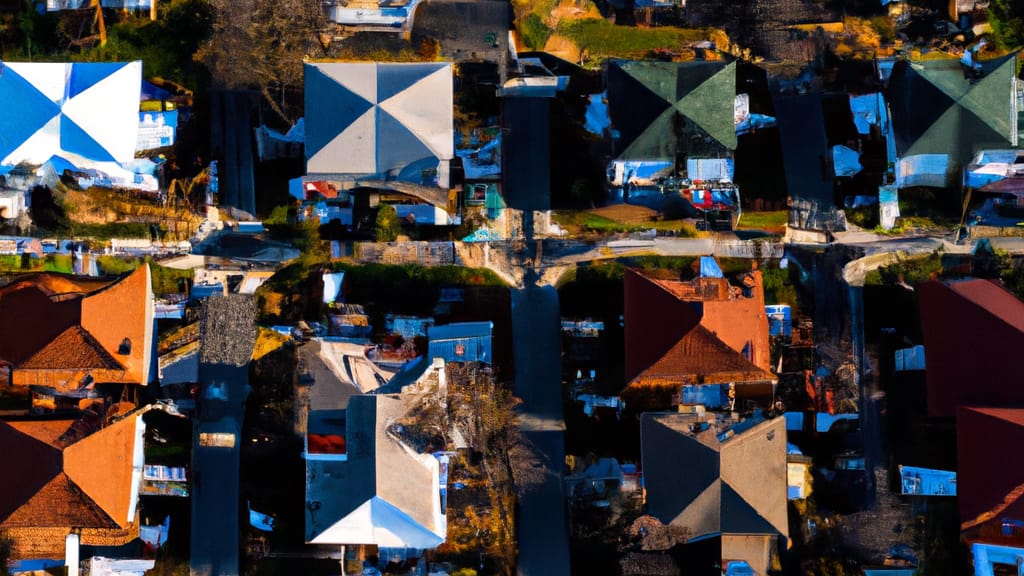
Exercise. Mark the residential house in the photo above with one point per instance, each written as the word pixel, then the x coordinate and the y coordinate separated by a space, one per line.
pixel 371 488
pixel 672 110
pixel 720 478
pixel 990 486
pixel 700 332
pixel 953 108
pixel 382 129
pixel 68 332
pixel 70 477
pixel 973 332
pixel 960 320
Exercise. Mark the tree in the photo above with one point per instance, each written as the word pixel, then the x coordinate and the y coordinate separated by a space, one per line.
pixel 1007 19
pixel 261 44
pixel 388 226
pixel 5 552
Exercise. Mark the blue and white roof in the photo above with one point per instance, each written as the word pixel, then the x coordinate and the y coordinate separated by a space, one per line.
pixel 378 118
pixel 80 111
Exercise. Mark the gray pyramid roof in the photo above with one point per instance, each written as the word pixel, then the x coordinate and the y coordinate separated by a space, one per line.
pixel 727 479
pixel 378 118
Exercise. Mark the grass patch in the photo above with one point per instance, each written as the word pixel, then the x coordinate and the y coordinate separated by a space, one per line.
pixel 909 272
pixel 583 222
pixel 267 341
pixel 602 39
pixel 534 31
pixel 49 263
pixel 774 220
pixel 58 263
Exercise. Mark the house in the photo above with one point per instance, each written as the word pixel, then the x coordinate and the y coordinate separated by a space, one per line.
pixel 379 491
pixel 944 107
pixel 70 477
pixel 700 332
pixel 990 488
pixel 960 320
pixel 721 478
pixel 380 120
pixel 69 332
pixel 461 342
pixel 89 111
pixel 672 110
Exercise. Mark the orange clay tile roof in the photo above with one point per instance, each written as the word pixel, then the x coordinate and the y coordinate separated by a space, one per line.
pixel 700 357
pixel 82 332
pixel 119 311
pixel 73 349
pixel 87 484
pixel 696 290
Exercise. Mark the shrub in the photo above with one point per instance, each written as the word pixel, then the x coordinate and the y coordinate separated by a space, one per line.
pixel 388 227
pixel 534 31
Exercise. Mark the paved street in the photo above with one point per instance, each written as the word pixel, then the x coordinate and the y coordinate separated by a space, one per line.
pixel 215 517
pixel 541 525
pixel 228 332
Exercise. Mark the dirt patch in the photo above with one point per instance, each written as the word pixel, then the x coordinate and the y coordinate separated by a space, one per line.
pixel 563 48
pixel 627 213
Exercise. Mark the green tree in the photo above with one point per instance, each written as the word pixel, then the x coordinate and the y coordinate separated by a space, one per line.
pixel 388 226
pixel 27 24
pixel 1007 19
pixel 5 552
pixel 261 44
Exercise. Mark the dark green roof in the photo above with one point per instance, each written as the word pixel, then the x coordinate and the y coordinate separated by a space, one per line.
pixel 938 107
pixel 666 109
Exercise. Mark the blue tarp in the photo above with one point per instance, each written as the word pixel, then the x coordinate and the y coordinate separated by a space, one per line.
pixel 794 421
pixel 709 395
pixel 152 92
pixel 868 110
pixel 709 268
pixel 927 482
pixel 754 122
pixel 780 320
pixel 826 421
pixel 845 161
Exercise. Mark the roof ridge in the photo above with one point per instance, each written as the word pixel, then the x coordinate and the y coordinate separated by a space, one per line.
pixel 709 337
pixel 105 358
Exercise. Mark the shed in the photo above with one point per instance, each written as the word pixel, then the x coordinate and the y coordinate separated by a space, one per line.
pixel 461 342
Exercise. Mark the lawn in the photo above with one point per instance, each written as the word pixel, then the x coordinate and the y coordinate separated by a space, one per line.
pixel 602 39
pixel 583 222
pixel 773 221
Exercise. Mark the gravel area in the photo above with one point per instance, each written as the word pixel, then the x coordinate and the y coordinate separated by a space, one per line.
pixel 228 328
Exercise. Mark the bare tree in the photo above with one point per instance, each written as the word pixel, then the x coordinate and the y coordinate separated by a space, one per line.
pixel 261 44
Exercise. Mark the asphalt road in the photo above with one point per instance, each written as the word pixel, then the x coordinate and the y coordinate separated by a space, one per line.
pixel 541 524
pixel 215 508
